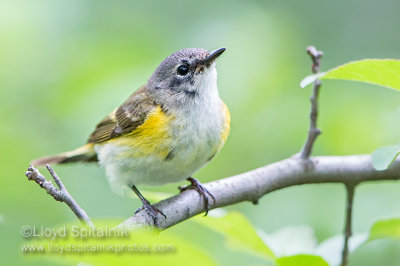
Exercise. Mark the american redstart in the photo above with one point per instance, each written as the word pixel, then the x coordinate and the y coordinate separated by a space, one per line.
pixel 164 132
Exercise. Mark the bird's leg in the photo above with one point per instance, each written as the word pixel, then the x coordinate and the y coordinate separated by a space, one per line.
pixel 204 193
pixel 152 211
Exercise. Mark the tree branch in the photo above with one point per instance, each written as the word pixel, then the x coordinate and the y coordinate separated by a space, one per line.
pixel 313 131
pixel 59 194
pixel 249 186
pixel 252 185
pixel 347 231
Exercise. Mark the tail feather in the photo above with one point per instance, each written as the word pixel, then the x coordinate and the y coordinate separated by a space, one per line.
pixel 82 154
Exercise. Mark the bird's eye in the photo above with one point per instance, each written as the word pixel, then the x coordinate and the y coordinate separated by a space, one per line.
pixel 182 70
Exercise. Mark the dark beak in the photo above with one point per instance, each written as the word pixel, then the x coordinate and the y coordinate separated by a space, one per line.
pixel 213 55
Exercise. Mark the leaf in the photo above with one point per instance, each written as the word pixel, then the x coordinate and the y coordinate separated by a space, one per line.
pixel 331 249
pixel 310 79
pixel 383 72
pixel 291 240
pixel 301 260
pixel 383 157
pixel 238 231
pixel 300 240
pixel 385 229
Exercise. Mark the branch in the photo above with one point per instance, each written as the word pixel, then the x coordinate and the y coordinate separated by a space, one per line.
pixel 252 185
pixel 59 194
pixel 313 131
pixel 347 231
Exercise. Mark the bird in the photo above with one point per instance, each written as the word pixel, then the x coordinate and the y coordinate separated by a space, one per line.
pixel 164 132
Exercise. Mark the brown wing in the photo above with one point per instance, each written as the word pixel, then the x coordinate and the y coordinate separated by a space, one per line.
pixel 131 114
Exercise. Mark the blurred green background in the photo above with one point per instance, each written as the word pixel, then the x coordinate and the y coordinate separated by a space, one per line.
pixel 65 64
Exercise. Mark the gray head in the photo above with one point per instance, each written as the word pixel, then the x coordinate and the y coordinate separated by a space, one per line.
pixel 186 72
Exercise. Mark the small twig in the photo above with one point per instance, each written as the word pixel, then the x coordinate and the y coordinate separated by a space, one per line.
pixel 313 131
pixel 347 230
pixel 60 194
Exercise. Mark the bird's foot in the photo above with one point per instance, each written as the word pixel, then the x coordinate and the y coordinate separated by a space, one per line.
pixel 151 210
pixel 204 193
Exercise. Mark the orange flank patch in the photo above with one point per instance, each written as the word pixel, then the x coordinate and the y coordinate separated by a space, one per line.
pixel 152 137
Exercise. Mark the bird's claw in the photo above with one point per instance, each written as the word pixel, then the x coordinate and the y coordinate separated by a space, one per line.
pixel 204 193
pixel 152 211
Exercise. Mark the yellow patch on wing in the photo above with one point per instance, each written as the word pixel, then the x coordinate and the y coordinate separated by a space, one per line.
pixel 152 137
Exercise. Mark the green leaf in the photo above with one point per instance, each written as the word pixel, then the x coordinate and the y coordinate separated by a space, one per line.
pixel 331 248
pixel 383 72
pixel 385 229
pixel 290 240
pixel 238 231
pixel 310 79
pixel 301 260
pixel 383 157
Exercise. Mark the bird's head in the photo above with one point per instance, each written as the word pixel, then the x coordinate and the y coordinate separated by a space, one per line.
pixel 188 72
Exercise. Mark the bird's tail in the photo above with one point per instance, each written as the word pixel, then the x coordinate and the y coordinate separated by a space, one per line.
pixel 82 154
